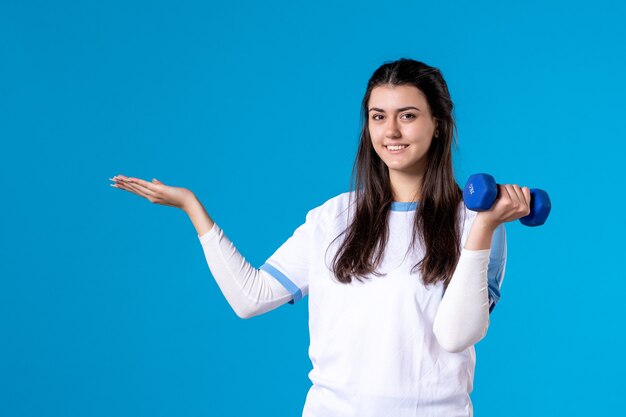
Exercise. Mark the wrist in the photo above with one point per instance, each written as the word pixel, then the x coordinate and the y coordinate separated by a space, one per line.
pixel 484 223
pixel 189 203
pixel 480 234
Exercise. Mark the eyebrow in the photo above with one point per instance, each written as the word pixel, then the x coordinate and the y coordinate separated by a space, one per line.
pixel 398 110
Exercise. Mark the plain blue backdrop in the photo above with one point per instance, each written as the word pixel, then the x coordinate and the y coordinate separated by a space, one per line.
pixel 107 306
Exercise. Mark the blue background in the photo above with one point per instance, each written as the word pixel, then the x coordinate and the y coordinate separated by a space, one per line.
pixel 107 306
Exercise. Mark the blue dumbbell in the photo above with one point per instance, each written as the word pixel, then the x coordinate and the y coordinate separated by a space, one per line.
pixel 481 191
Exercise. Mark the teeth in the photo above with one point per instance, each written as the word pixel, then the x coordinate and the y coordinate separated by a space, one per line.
pixel 396 148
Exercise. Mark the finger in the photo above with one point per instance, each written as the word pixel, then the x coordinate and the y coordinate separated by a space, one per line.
pixel 526 192
pixel 504 192
pixel 519 193
pixel 513 194
pixel 524 203
pixel 142 183
pixel 144 186
pixel 139 191
pixel 121 183
pixel 124 187
pixel 133 189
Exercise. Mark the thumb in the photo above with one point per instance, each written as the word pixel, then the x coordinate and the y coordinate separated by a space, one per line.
pixel 154 180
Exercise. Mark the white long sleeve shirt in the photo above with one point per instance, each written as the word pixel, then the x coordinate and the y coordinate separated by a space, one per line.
pixel 376 313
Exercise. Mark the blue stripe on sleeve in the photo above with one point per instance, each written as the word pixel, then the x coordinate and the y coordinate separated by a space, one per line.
pixel 286 282
pixel 497 263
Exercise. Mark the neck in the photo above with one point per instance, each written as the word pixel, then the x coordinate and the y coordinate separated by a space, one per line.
pixel 406 187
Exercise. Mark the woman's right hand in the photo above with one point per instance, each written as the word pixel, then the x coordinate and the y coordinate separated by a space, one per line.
pixel 155 191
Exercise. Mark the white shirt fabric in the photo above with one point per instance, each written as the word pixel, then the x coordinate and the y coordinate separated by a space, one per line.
pixel 387 346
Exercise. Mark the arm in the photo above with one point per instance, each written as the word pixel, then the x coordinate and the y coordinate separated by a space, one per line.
pixel 249 291
pixel 463 315
pixel 201 220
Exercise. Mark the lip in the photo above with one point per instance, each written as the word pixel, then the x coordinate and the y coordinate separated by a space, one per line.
pixel 396 152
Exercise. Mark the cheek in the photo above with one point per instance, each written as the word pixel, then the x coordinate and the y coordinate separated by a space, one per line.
pixel 375 133
pixel 416 130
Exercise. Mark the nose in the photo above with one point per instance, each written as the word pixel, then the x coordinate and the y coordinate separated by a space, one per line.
pixel 391 128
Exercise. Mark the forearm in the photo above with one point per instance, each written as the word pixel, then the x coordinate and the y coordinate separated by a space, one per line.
pixel 201 220
pixel 480 235
pixel 463 315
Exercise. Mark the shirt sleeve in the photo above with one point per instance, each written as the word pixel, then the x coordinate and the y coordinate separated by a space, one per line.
pixel 462 317
pixel 248 290
pixel 290 263
pixel 497 265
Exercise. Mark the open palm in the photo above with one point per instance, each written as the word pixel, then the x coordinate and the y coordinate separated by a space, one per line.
pixel 155 191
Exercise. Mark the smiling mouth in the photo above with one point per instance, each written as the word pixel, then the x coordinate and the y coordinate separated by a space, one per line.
pixel 396 148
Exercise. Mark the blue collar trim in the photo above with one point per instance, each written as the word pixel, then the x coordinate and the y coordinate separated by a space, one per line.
pixel 403 206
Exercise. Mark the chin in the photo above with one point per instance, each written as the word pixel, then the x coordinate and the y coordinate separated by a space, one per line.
pixel 408 167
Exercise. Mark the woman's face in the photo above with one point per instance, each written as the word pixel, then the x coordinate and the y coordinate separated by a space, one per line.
pixel 399 115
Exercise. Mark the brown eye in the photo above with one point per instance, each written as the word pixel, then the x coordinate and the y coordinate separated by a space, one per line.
pixel 410 114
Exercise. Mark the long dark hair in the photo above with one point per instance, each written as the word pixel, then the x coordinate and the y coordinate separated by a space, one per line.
pixel 436 222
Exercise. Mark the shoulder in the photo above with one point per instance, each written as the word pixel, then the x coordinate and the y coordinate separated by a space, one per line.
pixel 333 208
pixel 337 203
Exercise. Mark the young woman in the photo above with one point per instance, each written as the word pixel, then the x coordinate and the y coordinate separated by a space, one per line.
pixel 401 276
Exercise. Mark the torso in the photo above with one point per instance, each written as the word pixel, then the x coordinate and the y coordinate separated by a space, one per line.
pixel 372 344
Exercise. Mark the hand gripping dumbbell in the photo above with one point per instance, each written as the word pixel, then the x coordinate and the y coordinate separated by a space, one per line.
pixel 481 192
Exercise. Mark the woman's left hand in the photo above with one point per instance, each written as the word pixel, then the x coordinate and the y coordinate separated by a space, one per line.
pixel 512 203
